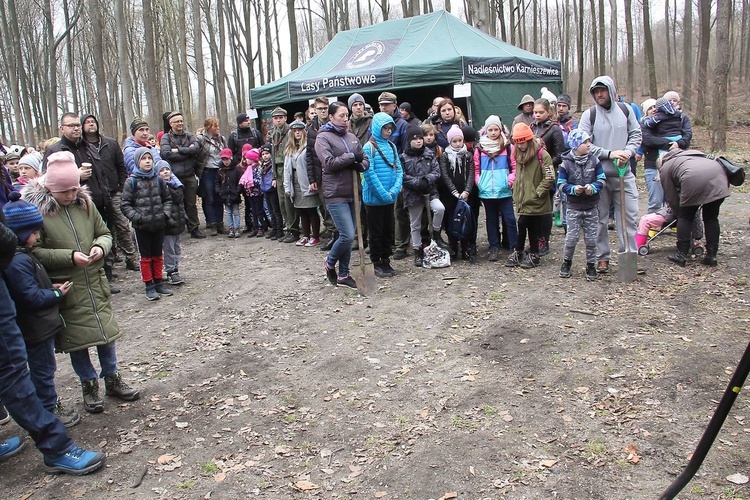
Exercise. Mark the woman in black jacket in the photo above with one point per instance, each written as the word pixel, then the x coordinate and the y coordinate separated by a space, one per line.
pixel 548 131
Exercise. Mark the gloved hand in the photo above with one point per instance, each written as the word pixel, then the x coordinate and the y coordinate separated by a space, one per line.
pixel 424 185
pixel 358 167
pixel 359 156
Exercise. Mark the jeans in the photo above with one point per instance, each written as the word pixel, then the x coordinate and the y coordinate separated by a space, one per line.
pixel 381 222
pixel 191 208
pixel 85 370
pixel 655 191
pixel 233 216
pixel 42 366
pixel 492 209
pixel 212 205
pixel 17 391
pixel 172 252
pixel 256 207
pixel 343 218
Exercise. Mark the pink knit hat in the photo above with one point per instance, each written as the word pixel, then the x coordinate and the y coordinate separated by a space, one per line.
pixel 62 172
pixel 253 155
pixel 454 131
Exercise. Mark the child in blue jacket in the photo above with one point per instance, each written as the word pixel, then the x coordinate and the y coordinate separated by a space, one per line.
pixel 37 303
pixel 380 187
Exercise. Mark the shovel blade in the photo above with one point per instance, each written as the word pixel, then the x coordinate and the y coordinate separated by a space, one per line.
pixel 627 266
pixel 364 274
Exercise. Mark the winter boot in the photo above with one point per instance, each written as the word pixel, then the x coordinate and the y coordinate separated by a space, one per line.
pixel 494 254
pixel 558 219
pixel 92 402
pixel 117 387
pixel 678 258
pixel 162 288
pixel 453 250
pixel 591 274
pixel 418 254
pixel 220 228
pixel 640 240
pixel 380 271
pixel 387 267
pixel 151 293
pixel 710 258
pixel 108 273
pixel 212 229
pixel 473 254
pixel 565 268
pixel 439 240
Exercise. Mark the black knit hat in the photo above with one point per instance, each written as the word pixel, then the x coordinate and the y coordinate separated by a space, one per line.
pixel 413 131
pixel 137 123
pixel 22 217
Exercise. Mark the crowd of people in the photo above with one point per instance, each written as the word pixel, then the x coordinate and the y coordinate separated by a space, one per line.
pixel 80 203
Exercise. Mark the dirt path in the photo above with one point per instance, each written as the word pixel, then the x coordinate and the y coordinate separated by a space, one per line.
pixel 261 380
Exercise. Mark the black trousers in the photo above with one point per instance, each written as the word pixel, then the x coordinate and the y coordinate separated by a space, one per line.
pixel 381 225
pixel 534 226
pixel 685 217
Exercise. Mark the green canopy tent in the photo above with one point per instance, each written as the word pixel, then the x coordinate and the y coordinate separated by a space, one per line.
pixel 418 58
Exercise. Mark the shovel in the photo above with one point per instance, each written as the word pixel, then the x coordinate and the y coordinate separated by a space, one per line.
pixel 627 260
pixel 363 273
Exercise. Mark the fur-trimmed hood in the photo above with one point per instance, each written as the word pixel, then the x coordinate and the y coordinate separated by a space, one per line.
pixel 36 194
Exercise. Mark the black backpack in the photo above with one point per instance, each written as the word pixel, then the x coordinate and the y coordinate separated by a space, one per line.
pixel 461 225
pixel 592 112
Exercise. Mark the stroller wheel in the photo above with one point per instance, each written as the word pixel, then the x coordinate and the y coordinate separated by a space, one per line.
pixel 698 251
pixel 642 251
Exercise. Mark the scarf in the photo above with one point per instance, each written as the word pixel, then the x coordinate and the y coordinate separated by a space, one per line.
pixel 489 146
pixel 452 154
pixel 335 128
pixel 137 172
pixel 580 160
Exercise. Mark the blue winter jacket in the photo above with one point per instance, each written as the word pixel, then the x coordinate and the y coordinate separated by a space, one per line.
pixel 382 181
pixel 495 175
pixel 128 151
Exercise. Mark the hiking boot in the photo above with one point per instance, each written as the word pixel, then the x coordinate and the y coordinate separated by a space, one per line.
pixel 387 267
pixel 346 281
pixel 270 234
pixel 438 239
pixel 69 418
pixel 261 233
pixel 253 233
pixel 151 293
pixel 12 446
pixel 116 386
pixel 473 254
pixel 289 238
pixel 133 265
pixel 512 259
pixel 92 402
pixel 678 258
pixel 399 254
pixel 4 417
pixel 531 260
pixel 379 271
pixel 331 273
pixel 213 230
pixel 275 236
pixel 565 268
pixel 246 229
pixel 418 257
pixel 602 267
pixel 197 234
pixel 174 278
pixel 591 274
pixel 494 255
pixel 162 288
pixel 77 462
pixel 220 228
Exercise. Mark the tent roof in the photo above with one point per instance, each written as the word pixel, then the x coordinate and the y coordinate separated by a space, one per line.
pixel 400 53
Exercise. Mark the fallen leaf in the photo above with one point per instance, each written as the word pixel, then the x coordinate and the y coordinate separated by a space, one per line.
pixel 471 471
pixel 582 390
pixel 449 495
pixel 181 425
pixel 508 418
pixel 380 494
pixel 305 485
pixel 165 459
pixel 631 449
pixel 220 477
pixel 548 463
pixel 738 478
pixel 524 341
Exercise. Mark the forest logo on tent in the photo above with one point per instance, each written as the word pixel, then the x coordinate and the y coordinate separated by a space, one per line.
pixel 370 54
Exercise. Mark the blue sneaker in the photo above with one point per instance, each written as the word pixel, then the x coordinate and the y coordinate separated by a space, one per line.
pixel 11 447
pixel 77 462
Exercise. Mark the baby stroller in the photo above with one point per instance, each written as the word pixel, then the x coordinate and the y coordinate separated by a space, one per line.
pixel 696 248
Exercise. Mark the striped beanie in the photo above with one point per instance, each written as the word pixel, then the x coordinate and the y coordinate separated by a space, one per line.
pixel 22 217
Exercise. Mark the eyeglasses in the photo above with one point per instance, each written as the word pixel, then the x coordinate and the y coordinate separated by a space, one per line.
pixel 72 125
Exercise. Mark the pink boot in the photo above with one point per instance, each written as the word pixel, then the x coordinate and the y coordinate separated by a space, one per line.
pixel 640 240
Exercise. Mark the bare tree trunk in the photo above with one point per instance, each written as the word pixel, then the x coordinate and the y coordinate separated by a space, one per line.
pixel 12 26
pixel 69 54
pixel 614 55
pixel 512 11
pixel 534 24
pixel 200 69
pixel 97 54
pixel 669 44
pixel 13 80
pixel 184 97
pixel 278 39
pixel 721 77
pixel 293 38
pixel 580 52
pixel 249 45
pixel 153 89
pixel 447 6
pixel 501 16
pixel 123 60
pixel 51 60
pixel 648 42
pixel 687 55
pixel 269 49
pixel 630 55
pixel 256 6
pixel 594 36
pixel 704 21
pixel 602 44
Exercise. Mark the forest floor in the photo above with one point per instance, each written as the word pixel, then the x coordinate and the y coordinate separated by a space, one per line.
pixel 259 379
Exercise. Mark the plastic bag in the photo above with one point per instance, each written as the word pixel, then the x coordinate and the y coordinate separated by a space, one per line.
pixel 435 257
